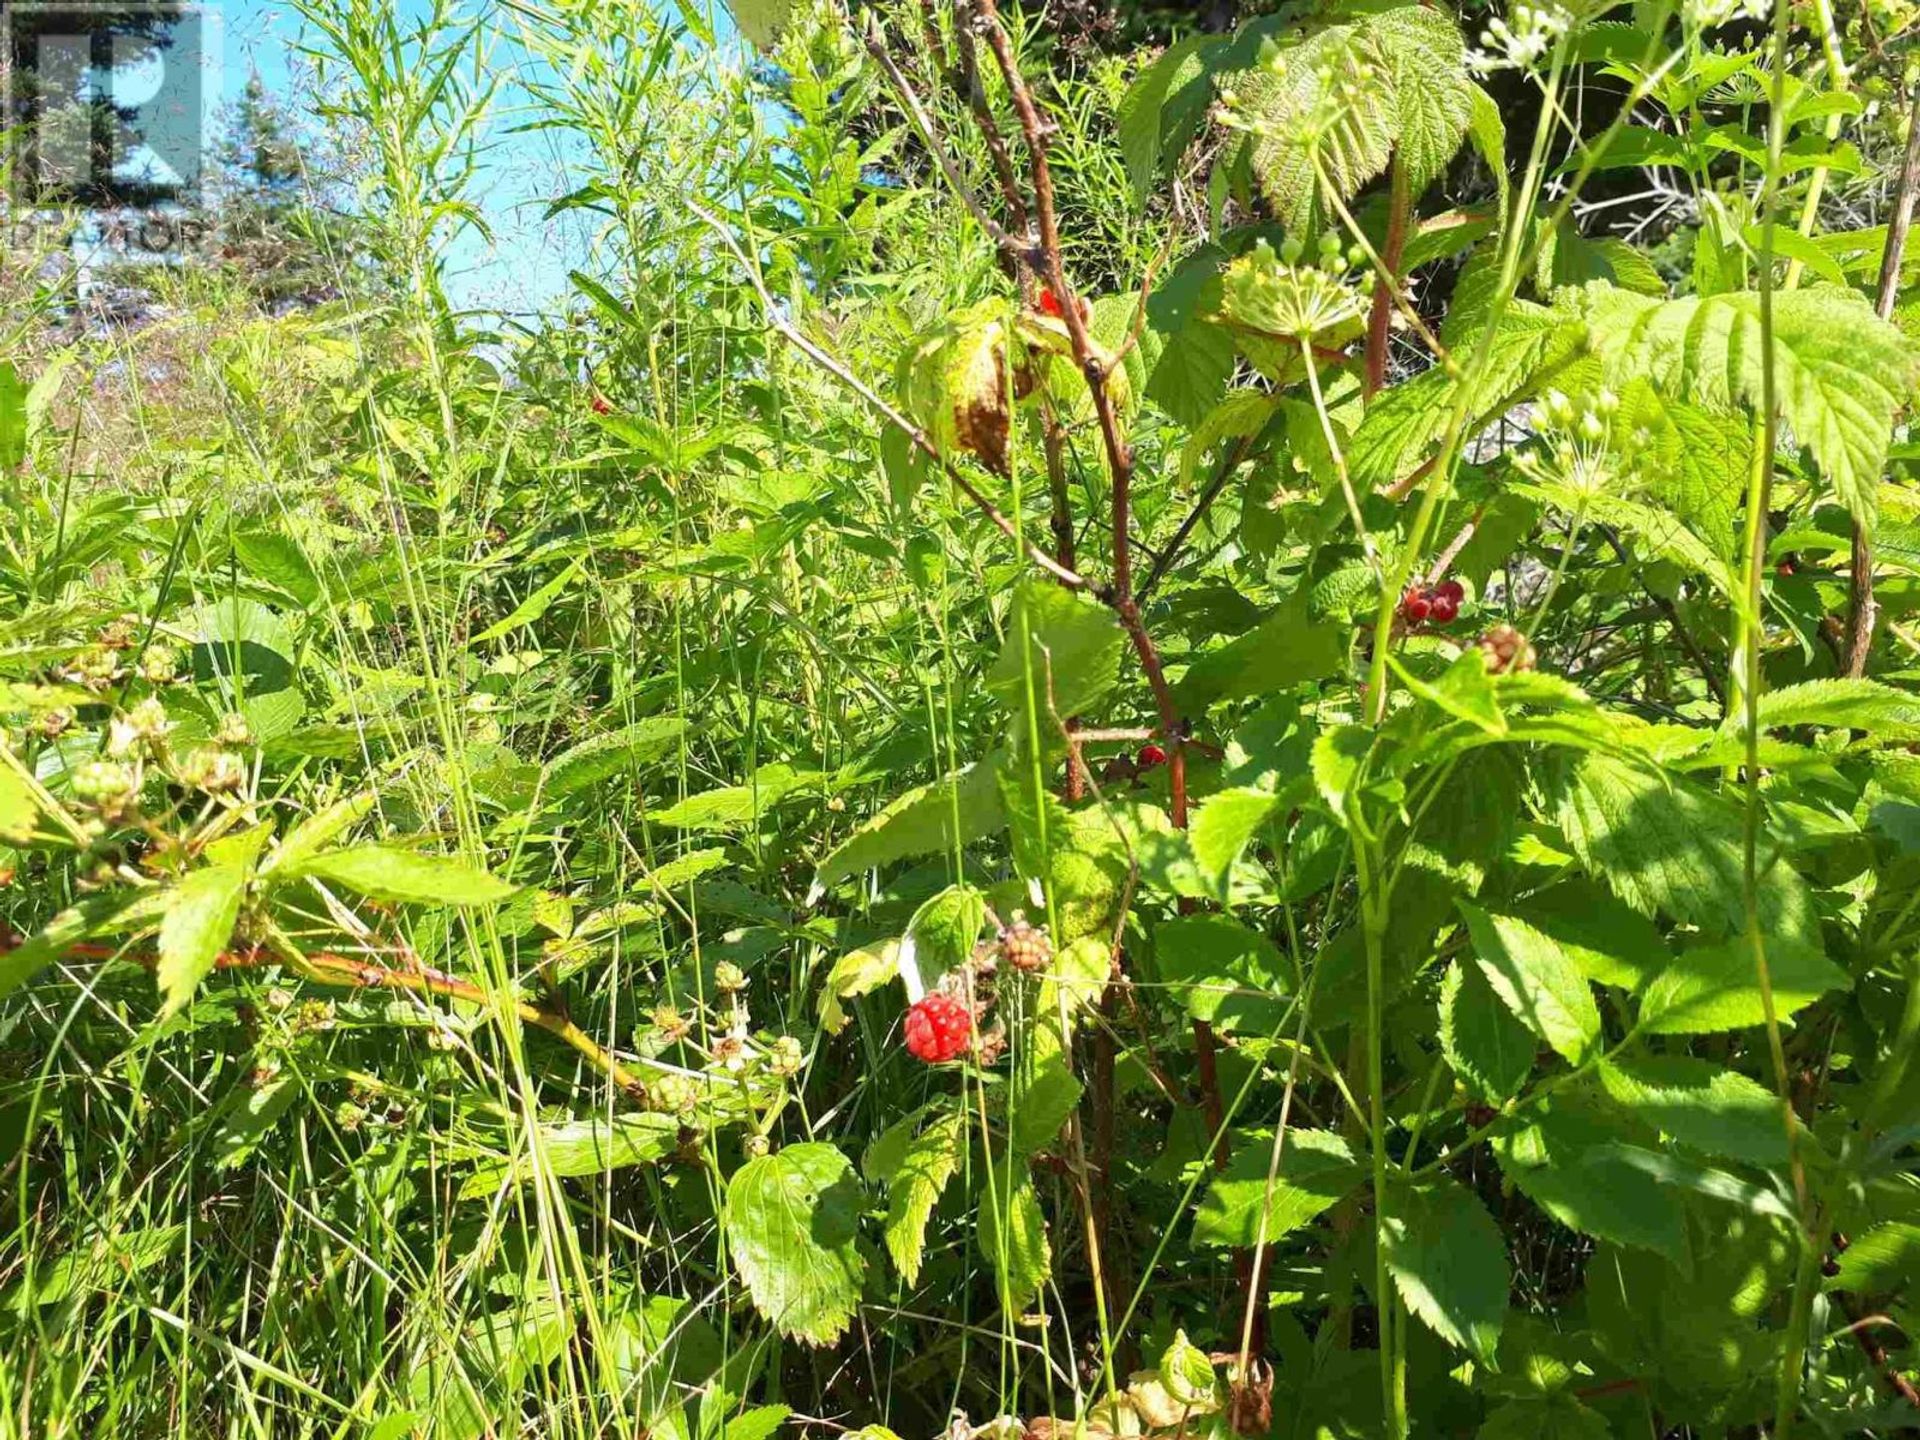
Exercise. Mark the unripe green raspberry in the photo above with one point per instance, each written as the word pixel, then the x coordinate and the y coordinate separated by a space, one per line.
pixel 104 782
pixel 786 1057
pixel 729 978
pixel 159 665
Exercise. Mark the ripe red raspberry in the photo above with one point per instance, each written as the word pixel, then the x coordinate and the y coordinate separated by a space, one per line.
pixel 1452 590
pixel 601 405
pixel 1049 302
pixel 1414 606
pixel 1443 609
pixel 937 1029
pixel 1151 754
pixel 1025 947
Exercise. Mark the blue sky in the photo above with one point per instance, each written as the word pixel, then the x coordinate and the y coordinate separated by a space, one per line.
pixel 525 268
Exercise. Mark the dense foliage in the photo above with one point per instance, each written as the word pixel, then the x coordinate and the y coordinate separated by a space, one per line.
pixel 1200 742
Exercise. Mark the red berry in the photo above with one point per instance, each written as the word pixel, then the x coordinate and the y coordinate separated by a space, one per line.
pixel 1049 303
pixel 1445 609
pixel 1151 755
pixel 937 1029
pixel 1453 590
pixel 600 404
pixel 1414 606
pixel 1785 567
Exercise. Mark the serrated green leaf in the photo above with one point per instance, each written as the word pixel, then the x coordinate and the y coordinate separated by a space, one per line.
pixel 1040 1106
pixel 537 603
pixel 1663 844
pixel 856 973
pixel 320 829
pixel 1015 1243
pixel 923 820
pixel 1841 372
pixel 1139 122
pixel 1067 645
pixel 1537 979
pixel 1223 972
pixel 587 764
pixel 792 1222
pixel 914 1183
pixel 1716 987
pixel 1223 826
pixel 1487 1047
pixel 1592 1188
pixel 1882 1261
pixel 1317 1169
pixel 1449 1263
pixel 1287 648
pixel 944 929
pixel 383 872
pixel 1704 1106
pixel 1851 704
pixel 734 807
pixel 201 912
pixel 578 1147
pixel 1428 60
pixel 1611 943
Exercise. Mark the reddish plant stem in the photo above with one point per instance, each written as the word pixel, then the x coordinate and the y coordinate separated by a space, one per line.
pixel 1380 322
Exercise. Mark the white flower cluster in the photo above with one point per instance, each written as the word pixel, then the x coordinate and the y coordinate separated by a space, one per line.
pixel 1518 41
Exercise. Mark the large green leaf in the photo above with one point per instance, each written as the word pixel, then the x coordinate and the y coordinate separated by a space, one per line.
pixel 1449 1262
pixel 1158 111
pixel 1317 1168
pixel 1702 1105
pixel 1223 972
pixel 732 807
pixel 944 929
pixel 1222 828
pixel 1428 61
pixel 792 1221
pixel 1490 1050
pixel 384 872
pixel 1576 1172
pixel 1842 373
pixel 1664 844
pixel 1015 1242
pixel 1403 425
pixel 596 1146
pixel 1066 646
pixel 1537 979
pixel 1847 704
pixel 1611 943
pixel 1283 650
pixel 914 1184
pixel 200 917
pixel 1040 1105
pixel 1882 1261
pixel 1717 987
pixel 1337 103
pixel 591 761
pixel 961 807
